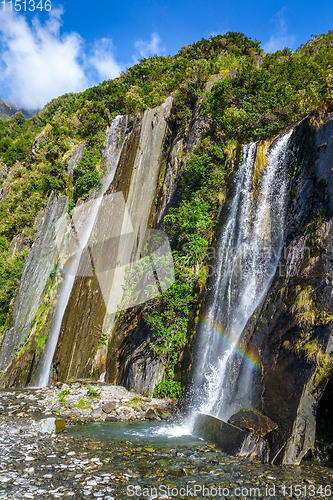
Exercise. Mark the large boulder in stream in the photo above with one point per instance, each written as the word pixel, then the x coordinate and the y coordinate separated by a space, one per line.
pixel 253 421
pixel 229 438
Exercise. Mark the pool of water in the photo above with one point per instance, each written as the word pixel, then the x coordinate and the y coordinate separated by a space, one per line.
pixel 141 433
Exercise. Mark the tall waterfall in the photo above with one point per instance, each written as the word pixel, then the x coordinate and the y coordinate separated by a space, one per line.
pixel 249 250
pixel 82 225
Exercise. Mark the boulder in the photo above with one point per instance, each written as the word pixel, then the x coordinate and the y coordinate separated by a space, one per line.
pixel 253 421
pixel 229 438
pixel 151 415
pixel 163 413
pixel 52 425
pixel 109 407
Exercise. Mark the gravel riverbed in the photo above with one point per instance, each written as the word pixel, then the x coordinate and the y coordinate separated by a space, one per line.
pixel 118 458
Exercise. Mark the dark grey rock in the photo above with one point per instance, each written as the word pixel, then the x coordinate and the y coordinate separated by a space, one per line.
pixel 35 275
pixel 75 158
pixel 253 421
pixel 151 415
pixel 10 108
pixel 230 438
pixel 109 407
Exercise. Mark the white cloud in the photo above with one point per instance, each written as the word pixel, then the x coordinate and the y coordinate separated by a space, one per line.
pixel 149 48
pixel 37 63
pixel 280 39
pixel 103 60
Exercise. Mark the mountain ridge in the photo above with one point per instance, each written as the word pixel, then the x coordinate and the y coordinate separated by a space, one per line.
pixel 8 109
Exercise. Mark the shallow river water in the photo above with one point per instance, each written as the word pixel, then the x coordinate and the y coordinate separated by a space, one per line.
pixel 112 460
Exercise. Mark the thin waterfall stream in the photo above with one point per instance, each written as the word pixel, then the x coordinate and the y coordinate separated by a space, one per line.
pixel 81 229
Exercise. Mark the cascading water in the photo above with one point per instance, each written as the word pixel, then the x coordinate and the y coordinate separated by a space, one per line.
pixel 249 250
pixel 82 228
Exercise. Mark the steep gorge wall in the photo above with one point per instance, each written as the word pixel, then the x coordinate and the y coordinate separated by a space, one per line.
pixel 35 276
pixel 88 322
pixel 291 331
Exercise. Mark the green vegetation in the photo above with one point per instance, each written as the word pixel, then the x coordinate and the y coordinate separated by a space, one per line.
pixel 168 389
pixel 92 392
pixel 86 176
pixel 103 341
pixel 83 404
pixel 304 306
pixel 266 94
pixel 62 395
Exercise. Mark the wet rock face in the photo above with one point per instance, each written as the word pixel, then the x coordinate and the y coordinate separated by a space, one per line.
pixel 35 276
pixel 136 177
pixel 229 438
pixel 109 407
pixel 253 421
pixel 291 331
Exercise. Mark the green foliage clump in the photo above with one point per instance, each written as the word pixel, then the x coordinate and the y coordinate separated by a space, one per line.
pixel 326 318
pixel 83 404
pixel 261 101
pixel 92 392
pixel 168 389
pixel 86 176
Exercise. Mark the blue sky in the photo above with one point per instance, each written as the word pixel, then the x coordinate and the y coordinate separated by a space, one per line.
pixel 77 44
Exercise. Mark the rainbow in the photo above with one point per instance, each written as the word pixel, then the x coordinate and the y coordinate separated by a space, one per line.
pixel 251 357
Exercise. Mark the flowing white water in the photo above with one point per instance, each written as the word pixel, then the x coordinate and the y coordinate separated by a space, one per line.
pixel 82 227
pixel 249 250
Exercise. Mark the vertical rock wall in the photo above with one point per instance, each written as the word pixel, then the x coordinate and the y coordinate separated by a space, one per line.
pixel 88 320
pixel 35 276
pixel 291 332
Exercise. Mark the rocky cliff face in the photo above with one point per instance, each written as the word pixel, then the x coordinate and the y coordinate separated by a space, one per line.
pixel 35 277
pixel 291 331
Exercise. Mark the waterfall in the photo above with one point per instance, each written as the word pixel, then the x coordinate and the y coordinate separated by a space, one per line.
pixel 249 249
pixel 82 225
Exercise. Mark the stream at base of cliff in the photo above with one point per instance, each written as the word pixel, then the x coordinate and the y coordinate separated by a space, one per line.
pixel 131 458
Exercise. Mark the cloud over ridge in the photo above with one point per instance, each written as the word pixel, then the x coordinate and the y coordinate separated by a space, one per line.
pixel 37 63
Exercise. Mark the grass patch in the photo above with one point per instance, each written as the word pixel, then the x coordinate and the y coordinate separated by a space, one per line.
pixel 304 306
